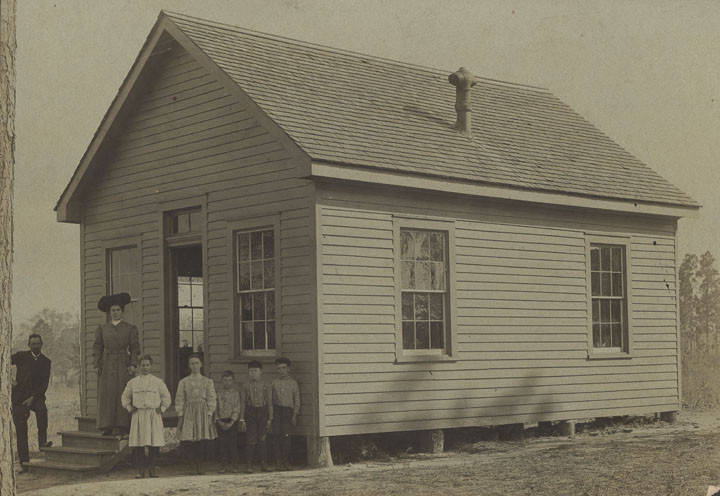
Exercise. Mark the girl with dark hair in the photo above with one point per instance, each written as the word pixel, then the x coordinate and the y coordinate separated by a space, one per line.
pixel 195 403
pixel 146 397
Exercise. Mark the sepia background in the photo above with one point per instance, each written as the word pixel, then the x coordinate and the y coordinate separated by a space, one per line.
pixel 646 72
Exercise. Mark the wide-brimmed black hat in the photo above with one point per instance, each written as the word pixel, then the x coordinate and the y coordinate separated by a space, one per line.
pixel 106 302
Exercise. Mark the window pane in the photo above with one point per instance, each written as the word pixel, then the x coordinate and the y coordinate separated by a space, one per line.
pixel 259 337
pixel 258 306
pixel 596 335
pixel 407 245
pixel 436 306
pixel 244 246
pixel 604 258
pixel 617 284
pixel 185 340
pixel 244 283
pixel 270 305
pixel 421 306
pixel 268 244
pixel 605 281
pixel 436 335
pixel 198 343
pixel 594 259
pixel 408 335
pixel 616 337
pixel 595 282
pixel 422 334
pixel 246 307
pixel 182 224
pixel 605 335
pixel 604 311
pixel 422 245
pixel 195 221
pixel 596 310
pixel 615 309
pixel 183 295
pixel 247 336
pixel 616 259
pixel 256 275
pixel 271 335
pixel 437 246
pixel 197 293
pixel 407 306
pixel 437 275
pixel 269 274
pixel 185 317
pixel 408 275
pixel 422 275
pixel 256 245
pixel 197 319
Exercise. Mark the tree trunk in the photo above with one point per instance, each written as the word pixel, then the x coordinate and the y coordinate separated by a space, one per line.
pixel 7 171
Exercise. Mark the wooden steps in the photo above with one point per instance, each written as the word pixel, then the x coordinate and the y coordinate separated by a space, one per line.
pixel 84 450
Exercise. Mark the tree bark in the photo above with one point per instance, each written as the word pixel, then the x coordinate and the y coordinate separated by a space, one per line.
pixel 7 172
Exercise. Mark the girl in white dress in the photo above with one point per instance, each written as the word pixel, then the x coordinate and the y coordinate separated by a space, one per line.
pixel 195 403
pixel 146 398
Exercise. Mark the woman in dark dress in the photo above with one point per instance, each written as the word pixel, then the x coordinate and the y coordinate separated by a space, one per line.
pixel 116 348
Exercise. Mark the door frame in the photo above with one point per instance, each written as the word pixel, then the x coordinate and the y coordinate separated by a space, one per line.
pixel 163 209
pixel 171 309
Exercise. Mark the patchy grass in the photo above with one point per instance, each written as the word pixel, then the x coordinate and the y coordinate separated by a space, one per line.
pixel 682 459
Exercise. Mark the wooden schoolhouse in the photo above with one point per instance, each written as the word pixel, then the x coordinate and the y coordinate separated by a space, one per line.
pixel 431 250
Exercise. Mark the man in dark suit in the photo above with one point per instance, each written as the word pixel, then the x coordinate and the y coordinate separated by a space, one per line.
pixel 28 393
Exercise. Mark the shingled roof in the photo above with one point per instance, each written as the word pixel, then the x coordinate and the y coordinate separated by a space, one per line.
pixel 359 112
pixel 348 108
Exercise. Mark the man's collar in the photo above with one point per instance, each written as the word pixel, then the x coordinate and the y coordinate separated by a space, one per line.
pixel 34 355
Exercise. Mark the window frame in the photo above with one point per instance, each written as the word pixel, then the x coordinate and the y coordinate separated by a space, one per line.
pixel 239 354
pixel 128 241
pixel 449 353
pixel 617 240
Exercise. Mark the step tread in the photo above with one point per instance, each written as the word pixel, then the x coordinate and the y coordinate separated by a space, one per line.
pixel 83 451
pixel 61 466
pixel 90 435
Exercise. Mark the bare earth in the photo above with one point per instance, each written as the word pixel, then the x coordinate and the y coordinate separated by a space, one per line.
pixel 680 459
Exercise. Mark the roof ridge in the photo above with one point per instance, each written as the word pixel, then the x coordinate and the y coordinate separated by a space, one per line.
pixel 340 51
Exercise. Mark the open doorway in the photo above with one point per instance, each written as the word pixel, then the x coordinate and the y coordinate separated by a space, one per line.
pixel 185 333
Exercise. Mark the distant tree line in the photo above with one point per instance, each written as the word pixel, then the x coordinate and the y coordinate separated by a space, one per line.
pixel 61 343
pixel 699 294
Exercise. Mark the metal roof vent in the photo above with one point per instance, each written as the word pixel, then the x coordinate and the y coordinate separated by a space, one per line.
pixel 463 80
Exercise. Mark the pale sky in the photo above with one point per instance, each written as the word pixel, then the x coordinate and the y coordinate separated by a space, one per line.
pixel 647 73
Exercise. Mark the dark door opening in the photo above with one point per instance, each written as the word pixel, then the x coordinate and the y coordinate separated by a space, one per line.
pixel 185 333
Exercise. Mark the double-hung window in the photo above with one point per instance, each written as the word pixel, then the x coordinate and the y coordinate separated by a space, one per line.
pixel 255 270
pixel 424 289
pixel 610 330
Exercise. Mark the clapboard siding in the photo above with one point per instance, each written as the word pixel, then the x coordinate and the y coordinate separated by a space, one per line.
pixel 188 137
pixel 521 326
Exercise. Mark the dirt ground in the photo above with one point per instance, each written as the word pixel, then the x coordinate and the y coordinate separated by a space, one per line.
pixel 621 459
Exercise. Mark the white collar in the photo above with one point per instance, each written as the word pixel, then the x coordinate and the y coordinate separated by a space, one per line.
pixel 116 322
pixel 34 355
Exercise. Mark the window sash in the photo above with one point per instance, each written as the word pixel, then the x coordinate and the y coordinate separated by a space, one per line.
pixel 426 249
pixel 255 254
pixel 608 297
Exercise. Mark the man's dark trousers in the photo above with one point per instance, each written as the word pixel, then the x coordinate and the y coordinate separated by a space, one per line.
pixel 32 379
pixel 21 413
